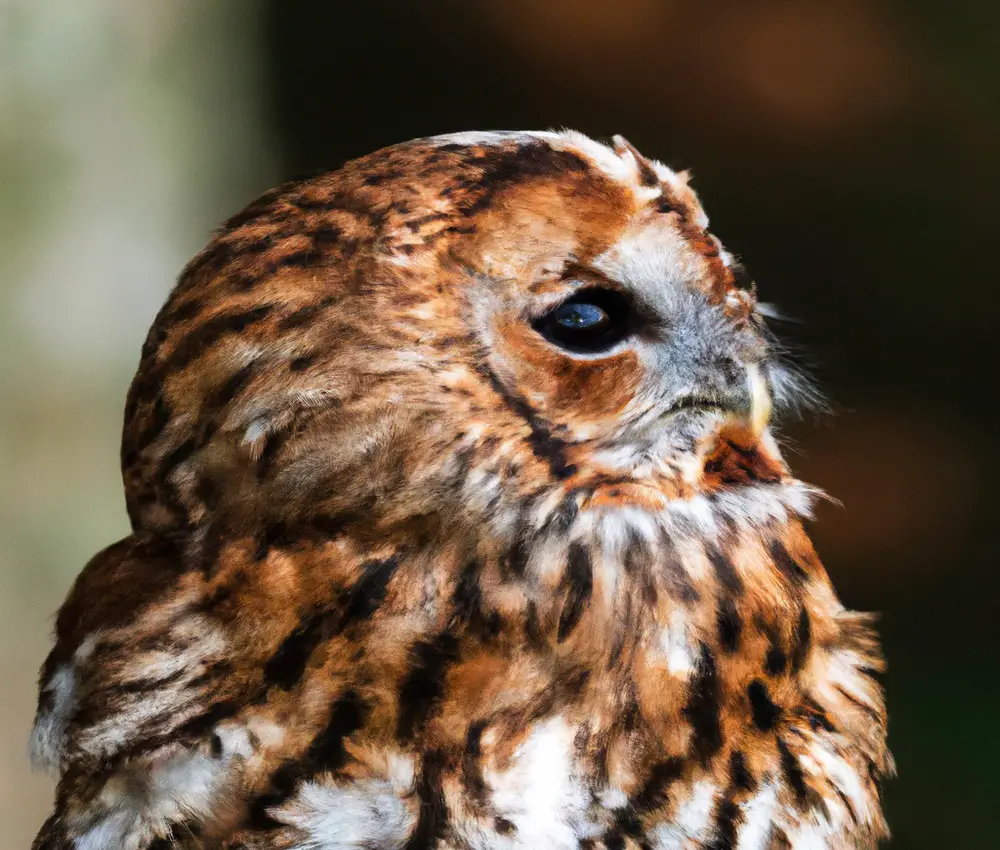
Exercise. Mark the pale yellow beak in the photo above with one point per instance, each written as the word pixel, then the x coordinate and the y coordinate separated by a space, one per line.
pixel 760 400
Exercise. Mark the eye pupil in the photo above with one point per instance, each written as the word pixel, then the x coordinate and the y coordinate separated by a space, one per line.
pixel 593 320
pixel 580 316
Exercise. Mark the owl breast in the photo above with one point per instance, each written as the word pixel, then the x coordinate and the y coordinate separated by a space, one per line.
pixel 597 683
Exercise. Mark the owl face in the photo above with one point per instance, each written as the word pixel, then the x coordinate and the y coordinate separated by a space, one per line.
pixel 450 325
pixel 635 351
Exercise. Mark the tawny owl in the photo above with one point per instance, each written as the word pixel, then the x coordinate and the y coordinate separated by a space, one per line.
pixel 458 523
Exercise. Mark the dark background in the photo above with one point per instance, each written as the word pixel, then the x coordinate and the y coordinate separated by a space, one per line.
pixel 847 151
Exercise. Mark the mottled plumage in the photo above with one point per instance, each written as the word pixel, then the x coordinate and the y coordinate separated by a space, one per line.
pixel 416 562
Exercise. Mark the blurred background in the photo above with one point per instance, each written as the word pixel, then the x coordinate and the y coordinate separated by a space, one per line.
pixel 848 151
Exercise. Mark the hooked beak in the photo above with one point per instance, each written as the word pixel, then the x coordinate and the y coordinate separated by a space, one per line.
pixel 750 403
pixel 760 400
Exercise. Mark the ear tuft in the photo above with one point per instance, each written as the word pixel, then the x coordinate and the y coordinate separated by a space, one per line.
pixel 647 173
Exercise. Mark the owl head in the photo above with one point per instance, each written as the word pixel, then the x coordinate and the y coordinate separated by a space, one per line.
pixel 446 330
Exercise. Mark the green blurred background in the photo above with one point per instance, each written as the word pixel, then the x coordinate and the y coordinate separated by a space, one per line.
pixel 848 150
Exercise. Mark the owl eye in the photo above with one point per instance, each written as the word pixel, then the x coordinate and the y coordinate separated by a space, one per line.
pixel 592 320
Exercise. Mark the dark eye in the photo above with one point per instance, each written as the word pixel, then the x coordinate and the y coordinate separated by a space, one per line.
pixel 592 320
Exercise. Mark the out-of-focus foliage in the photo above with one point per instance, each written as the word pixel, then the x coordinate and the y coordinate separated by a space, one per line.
pixel 848 150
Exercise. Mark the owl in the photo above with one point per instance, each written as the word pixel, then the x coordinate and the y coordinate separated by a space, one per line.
pixel 459 523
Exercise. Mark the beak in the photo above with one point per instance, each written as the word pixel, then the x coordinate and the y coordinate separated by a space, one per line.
pixel 760 400
pixel 747 405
